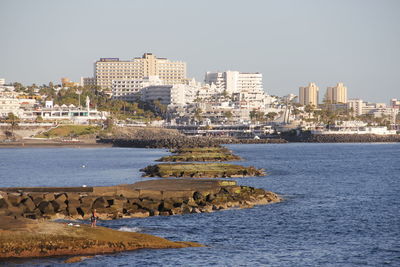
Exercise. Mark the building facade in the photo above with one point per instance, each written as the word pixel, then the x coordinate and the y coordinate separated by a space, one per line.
pixel 9 103
pixel 337 94
pixel 167 94
pixel 130 89
pixel 88 81
pixel 309 95
pixel 235 81
pixel 356 105
pixel 108 69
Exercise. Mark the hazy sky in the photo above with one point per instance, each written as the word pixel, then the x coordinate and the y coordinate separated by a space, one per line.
pixel 291 43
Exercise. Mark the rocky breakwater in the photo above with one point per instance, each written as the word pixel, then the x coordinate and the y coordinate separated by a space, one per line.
pixel 23 238
pixel 200 170
pixel 201 154
pixel 147 137
pixel 184 141
pixel 307 137
pixel 142 199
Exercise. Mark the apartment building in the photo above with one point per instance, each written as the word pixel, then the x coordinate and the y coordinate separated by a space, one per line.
pixel 337 94
pixel 130 89
pixel 235 81
pixel 167 94
pixel 9 103
pixel 309 95
pixel 356 105
pixel 108 69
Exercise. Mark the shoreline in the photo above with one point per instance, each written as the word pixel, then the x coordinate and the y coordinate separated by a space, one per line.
pixel 27 214
pixel 50 144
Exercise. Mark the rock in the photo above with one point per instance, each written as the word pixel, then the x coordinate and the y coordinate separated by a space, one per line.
pixel 59 205
pixel 176 211
pixel 140 214
pixel 195 210
pixel 100 203
pixel 28 205
pixel 14 198
pixel 118 203
pixel 77 259
pixel 46 207
pixel 149 205
pixel 186 209
pixel 198 196
pixel 210 197
pixel 61 197
pixel 166 206
pixel 48 197
pixel 4 204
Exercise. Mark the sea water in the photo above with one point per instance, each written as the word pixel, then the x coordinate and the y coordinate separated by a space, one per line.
pixel 341 205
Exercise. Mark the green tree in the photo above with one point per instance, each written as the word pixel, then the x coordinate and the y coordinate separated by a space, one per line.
pixel 13 120
pixel 271 116
pixel 197 114
pixel 228 114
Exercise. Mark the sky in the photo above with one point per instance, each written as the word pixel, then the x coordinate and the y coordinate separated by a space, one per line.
pixel 290 42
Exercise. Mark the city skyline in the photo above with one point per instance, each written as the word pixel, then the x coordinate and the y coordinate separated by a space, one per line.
pixel 354 42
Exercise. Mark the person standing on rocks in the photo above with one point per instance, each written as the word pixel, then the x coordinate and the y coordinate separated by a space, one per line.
pixel 93 218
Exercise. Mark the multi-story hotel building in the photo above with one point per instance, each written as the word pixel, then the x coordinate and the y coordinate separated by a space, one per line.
pixel 309 95
pixel 234 81
pixel 108 69
pixel 337 94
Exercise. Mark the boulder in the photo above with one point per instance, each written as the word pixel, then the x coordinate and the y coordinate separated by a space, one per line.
pixel 61 197
pixel 87 201
pixel 72 206
pixel 4 204
pixel 59 205
pixel 166 205
pixel 118 203
pixel 198 196
pixel 149 205
pixel 48 197
pixel 14 198
pixel 100 203
pixel 28 205
pixel 46 207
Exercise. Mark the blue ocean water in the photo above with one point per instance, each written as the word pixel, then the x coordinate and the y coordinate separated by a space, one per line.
pixel 341 208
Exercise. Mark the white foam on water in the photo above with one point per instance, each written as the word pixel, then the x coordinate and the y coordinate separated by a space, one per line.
pixel 129 229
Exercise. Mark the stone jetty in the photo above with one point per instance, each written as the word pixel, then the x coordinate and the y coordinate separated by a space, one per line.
pixel 148 198
pixel 200 170
pixel 307 137
pixel 183 141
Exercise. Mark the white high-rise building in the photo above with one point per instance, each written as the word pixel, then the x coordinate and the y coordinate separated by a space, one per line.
pixel 309 95
pixel 234 81
pixel 356 105
pixel 108 69
pixel 337 94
